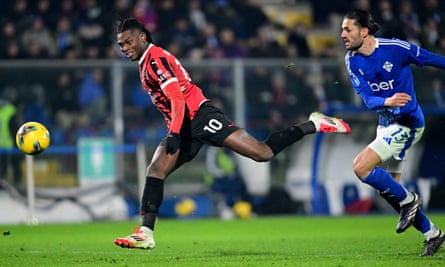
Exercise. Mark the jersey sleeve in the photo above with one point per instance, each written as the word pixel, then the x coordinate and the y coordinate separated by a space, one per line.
pixel 167 80
pixel 362 87
pixel 413 54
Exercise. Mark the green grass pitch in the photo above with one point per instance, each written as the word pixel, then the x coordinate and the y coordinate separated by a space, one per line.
pixel 262 241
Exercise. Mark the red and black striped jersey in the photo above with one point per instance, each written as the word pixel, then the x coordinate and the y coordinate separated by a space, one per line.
pixel 158 70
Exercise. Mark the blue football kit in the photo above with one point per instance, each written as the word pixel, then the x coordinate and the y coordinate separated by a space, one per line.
pixel 378 76
pixel 387 71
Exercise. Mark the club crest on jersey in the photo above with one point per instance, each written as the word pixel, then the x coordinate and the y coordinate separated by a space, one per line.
pixel 355 80
pixel 162 77
pixel 388 66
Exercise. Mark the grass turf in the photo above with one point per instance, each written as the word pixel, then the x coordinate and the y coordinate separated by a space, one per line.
pixel 263 241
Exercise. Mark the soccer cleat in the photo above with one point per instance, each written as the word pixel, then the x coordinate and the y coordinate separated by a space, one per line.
pixel 141 238
pixel 433 245
pixel 327 124
pixel 408 214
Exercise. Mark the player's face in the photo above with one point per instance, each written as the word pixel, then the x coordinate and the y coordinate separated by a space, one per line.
pixel 132 43
pixel 351 34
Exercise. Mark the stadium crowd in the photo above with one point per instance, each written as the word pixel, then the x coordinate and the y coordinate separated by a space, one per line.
pixel 192 29
pixel 211 29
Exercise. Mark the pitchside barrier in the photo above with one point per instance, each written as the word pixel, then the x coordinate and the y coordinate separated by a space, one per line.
pixel 86 175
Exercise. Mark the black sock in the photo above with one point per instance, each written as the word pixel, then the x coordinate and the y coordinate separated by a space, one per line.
pixel 277 141
pixel 151 201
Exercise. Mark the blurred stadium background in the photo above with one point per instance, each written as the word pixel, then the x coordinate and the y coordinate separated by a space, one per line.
pixel 269 63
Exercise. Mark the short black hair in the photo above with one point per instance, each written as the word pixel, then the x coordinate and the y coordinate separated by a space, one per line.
pixel 132 23
pixel 364 19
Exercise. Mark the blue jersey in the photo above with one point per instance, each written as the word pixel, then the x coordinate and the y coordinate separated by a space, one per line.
pixel 387 71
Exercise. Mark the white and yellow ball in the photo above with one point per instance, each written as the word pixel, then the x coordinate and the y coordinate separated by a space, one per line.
pixel 32 138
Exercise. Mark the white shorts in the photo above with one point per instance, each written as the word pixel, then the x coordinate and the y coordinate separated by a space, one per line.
pixel 393 142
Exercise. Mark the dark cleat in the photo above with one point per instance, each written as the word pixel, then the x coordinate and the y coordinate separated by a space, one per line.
pixel 433 245
pixel 408 214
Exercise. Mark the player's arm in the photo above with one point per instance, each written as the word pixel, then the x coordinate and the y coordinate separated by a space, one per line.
pixel 174 94
pixel 363 89
pixel 420 56
pixel 432 59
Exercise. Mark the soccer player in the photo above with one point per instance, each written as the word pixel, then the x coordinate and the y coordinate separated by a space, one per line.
pixel 380 73
pixel 192 120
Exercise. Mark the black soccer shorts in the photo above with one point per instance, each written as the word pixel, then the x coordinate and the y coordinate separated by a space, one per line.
pixel 210 126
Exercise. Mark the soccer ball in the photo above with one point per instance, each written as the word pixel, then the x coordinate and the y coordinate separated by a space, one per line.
pixel 32 138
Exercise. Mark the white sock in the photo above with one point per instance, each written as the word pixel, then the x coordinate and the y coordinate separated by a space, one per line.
pixel 432 233
pixel 408 199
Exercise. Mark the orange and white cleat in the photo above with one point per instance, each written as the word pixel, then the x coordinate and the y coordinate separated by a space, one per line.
pixel 327 124
pixel 141 238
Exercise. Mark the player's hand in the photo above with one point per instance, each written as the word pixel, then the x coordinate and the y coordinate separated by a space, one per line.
pixel 173 143
pixel 397 100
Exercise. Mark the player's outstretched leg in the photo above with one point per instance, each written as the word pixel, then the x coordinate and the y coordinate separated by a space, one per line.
pixel 141 238
pixel 327 124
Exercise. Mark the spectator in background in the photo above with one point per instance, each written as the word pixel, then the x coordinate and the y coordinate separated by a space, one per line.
pixel 9 39
pixel 33 50
pixel 65 100
pixel 92 51
pixel 362 4
pixel 91 97
pixel 196 15
pixel 91 30
pixel 43 9
pixel 300 93
pixel 183 34
pixel 142 11
pixel 38 37
pixel 166 14
pixel 222 15
pixel 207 39
pixel 265 45
pixel 253 17
pixel 258 93
pixel 389 22
pixel 20 15
pixel 12 51
pixel 430 34
pixel 68 9
pixel 297 37
pixel 429 10
pixel 8 126
pixel 229 45
pixel 65 37
pixel 410 22
pixel 123 8
pixel 36 107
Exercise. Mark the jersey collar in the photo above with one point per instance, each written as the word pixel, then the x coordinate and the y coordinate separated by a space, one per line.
pixel 144 54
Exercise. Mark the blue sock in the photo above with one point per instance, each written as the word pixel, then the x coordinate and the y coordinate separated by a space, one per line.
pixel 421 222
pixel 383 182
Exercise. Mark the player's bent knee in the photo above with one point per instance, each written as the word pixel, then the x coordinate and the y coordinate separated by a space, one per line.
pixel 262 157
